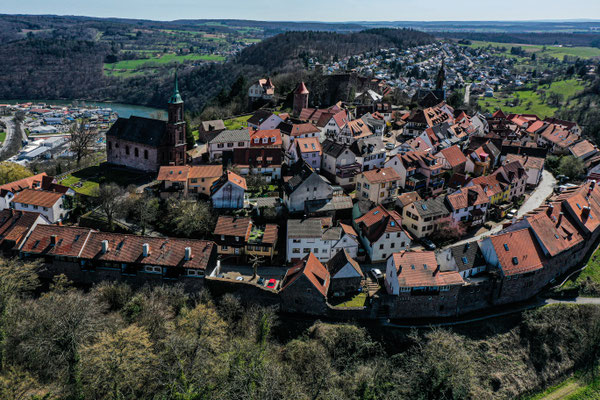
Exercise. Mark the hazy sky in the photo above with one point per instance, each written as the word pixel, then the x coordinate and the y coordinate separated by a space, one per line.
pixel 313 10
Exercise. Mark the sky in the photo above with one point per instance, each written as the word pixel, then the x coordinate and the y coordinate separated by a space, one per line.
pixel 313 10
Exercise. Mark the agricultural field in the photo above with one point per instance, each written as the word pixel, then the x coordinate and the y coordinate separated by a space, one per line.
pixel 147 65
pixel 540 51
pixel 530 101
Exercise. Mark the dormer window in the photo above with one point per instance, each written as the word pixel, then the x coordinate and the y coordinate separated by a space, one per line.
pixel 257 140
pixel 265 140
pixel 273 139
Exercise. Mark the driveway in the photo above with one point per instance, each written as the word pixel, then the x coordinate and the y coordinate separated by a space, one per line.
pixel 536 199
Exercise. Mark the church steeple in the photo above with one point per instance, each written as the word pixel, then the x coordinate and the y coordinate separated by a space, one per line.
pixel 176 97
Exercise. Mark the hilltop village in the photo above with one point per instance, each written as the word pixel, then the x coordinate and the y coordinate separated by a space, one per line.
pixel 358 210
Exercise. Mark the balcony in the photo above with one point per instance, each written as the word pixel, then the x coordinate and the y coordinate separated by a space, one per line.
pixel 348 171
pixel 436 183
pixel 416 181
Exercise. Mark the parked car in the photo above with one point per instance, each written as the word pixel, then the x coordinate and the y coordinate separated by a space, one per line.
pixel 512 213
pixel 428 244
pixel 261 281
pixel 389 146
pixel 376 273
pixel 271 284
pixel 239 278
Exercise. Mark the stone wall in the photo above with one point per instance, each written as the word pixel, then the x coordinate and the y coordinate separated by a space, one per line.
pixel 116 153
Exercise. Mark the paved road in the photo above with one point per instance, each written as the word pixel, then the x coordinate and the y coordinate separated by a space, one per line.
pixel 12 144
pixel 536 199
pixel 467 94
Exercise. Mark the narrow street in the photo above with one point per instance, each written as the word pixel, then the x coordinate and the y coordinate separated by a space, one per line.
pixel 536 199
pixel 12 143
pixel 467 94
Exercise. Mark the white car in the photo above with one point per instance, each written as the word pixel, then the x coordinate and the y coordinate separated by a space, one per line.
pixel 389 146
pixel 376 273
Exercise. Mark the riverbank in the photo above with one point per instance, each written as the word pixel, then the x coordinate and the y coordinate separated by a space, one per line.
pixel 123 110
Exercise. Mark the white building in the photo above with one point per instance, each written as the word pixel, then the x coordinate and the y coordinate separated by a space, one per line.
pixel 317 235
pixel 49 204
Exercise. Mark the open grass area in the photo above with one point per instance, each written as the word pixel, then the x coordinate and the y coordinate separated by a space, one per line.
pixel 237 123
pixel 139 66
pixel 2 136
pixel 573 388
pixel 358 300
pixel 88 179
pixel 540 50
pixel 587 282
pixel 529 101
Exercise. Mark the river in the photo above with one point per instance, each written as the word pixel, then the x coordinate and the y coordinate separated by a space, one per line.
pixel 124 110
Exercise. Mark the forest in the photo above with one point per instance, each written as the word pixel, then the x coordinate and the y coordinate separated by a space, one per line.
pixel 157 342
pixel 62 58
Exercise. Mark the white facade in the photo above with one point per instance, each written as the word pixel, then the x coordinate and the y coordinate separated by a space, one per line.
pixel 270 123
pixel 53 214
pixel 215 150
pixel 324 250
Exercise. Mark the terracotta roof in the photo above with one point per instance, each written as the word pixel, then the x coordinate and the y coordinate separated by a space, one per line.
pixel 205 171
pixel 238 180
pixel 309 145
pixel 536 126
pixel 14 225
pixel 467 197
pixel 381 175
pixel 348 230
pixel 233 226
pixel 313 270
pixel 270 234
pixel 39 198
pixel 420 269
pixel 359 129
pixel 69 240
pixel 301 89
pixel 582 148
pixel 407 198
pixel 378 221
pixel 273 137
pixel 25 183
pixel 554 228
pixel 490 184
pixel 301 129
pixel 517 252
pixel 526 161
pixel 454 156
pixel 169 252
pixel 173 173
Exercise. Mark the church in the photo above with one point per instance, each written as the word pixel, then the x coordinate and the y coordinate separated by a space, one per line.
pixel 146 143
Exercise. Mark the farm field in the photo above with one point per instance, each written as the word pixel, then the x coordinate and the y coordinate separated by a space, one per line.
pixel 530 101
pixel 134 67
pixel 539 50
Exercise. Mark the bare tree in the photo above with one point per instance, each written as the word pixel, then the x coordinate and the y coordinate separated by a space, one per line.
pixel 82 139
pixel 110 199
pixel 256 261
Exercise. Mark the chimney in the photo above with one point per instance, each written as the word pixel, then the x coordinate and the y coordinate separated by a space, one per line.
pixel 53 240
pixel 550 209
pixel 592 185
pixel 104 246
pixel 560 217
pixel 585 213
pixel 146 249
pixel 436 270
pixel 188 253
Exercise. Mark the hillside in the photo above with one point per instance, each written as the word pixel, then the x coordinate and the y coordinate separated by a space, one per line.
pixel 132 61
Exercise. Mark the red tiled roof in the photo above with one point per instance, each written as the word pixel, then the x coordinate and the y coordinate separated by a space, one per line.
pixel 526 161
pixel 490 184
pixel 454 156
pixel 69 240
pixel 270 234
pixel 25 183
pixel 359 129
pixel 348 229
pixel 301 89
pixel 173 173
pixel 233 226
pixel 460 199
pixel 582 148
pixel 39 198
pixel 14 225
pixel 420 268
pixel 168 252
pixel 536 126
pixel 309 145
pixel 303 129
pixel 238 180
pixel 518 252
pixel 314 271
pixel 205 171
pixel 381 175
pixel 555 231
pixel 269 134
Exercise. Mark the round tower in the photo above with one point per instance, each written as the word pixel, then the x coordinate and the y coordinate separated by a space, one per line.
pixel 300 98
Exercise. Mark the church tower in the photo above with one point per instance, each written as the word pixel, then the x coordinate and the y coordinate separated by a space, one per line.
pixel 300 99
pixel 174 152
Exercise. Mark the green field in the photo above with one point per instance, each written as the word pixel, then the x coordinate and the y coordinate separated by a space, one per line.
pixel 2 136
pixel 138 66
pixel 358 300
pixel 588 280
pixel 539 50
pixel 88 179
pixel 531 102
pixel 574 388
pixel 236 123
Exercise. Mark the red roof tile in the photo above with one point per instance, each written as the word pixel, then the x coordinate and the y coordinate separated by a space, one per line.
pixel 39 198
pixel 381 175
pixel 311 268
pixel 420 268
pixel 454 156
pixel 518 252
pixel 69 240
pixel 233 226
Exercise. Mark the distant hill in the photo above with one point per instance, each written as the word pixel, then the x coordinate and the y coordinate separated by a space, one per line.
pixel 281 50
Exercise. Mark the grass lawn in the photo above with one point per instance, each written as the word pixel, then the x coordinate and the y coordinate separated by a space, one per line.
pixel 236 123
pixel 574 388
pixel 540 50
pixel 358 300
pixel 133 67
pixel 88 179
pixel 2 136
pixel 530 101
pixel 590 273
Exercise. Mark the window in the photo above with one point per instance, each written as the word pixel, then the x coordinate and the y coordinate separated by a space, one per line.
pixel 109 145
pixel 306 250
pixel 146 154
pixel 127 150
pixel 381 247
pixel 224 247
pixel 35 207
pixel 296 251
pixel 315 250
pixel 256 140
pixel 296 241
pixel 392 245
pixel 229 144
pixel 241 144
pixel 136 152
pixel 220 145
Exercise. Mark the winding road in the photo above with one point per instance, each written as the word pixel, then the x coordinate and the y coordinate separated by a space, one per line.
pixel 12 143
pixel 536 199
